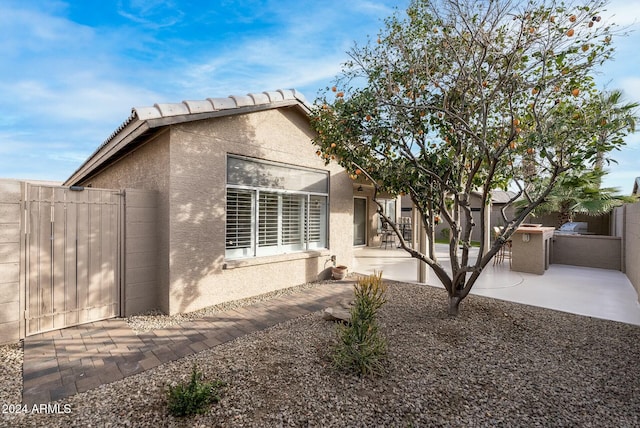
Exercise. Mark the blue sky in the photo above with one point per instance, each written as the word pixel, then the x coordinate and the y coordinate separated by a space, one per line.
pixel 72 70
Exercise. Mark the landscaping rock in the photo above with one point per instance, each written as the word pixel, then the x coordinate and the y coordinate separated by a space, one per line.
pixel 337 314
pixel 531 367
pixel 340 312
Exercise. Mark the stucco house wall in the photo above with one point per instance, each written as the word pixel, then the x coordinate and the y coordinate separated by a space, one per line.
pixel 186 163
pixel 200 274
pixel 146 169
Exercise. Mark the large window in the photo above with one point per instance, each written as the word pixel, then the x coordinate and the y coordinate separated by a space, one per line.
pixel 274 208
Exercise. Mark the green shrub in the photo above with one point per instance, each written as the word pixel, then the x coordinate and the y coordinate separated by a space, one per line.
pixel 193 397
pixel 360 346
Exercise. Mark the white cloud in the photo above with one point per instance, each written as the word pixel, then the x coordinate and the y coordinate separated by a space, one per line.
pixel 151 13
pixel 13 143
pixel 73 157
pixel 259 66
pixel 631 86
pixel 81 97
pixel 26 30
pixel 66 86
pixel 623 12
pixel 375 8
pixel 298 52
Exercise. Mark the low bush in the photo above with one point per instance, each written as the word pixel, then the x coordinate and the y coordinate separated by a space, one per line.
pixel 193 397
pixel 361 348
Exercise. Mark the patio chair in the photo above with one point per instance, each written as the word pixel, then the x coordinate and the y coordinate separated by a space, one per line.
pixel 387 236
pixel 407 232
pixel 505 251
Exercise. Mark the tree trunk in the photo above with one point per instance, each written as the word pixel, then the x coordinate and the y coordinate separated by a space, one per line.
pixel 564 216
pixel 454 305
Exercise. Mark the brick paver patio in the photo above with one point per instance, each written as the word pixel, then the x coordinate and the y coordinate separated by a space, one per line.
pixel 61 363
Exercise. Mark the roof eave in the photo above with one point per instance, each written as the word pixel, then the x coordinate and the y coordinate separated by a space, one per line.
pixel 132 130
pixel 143 120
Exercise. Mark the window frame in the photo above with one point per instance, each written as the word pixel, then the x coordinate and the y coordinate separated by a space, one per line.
pixel 307 223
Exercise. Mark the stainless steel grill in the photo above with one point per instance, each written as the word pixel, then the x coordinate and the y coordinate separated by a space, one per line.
pixel 573 228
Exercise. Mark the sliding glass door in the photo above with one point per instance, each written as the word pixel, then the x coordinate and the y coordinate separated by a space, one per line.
pixel 359 221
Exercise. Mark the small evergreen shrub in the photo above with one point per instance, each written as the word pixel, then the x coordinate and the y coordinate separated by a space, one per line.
pixel 193 397
pixel 360 347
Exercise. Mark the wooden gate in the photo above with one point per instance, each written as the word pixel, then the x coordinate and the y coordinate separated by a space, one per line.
pixel 72 256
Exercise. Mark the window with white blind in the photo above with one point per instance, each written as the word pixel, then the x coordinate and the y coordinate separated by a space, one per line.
pixel 239 236
pixel 268 219
pixel 274 208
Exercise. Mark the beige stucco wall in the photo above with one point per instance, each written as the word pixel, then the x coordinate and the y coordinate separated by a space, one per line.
pixel 10 197
pixel 146 168
pixel 199 273
pixel 141 261
pixel 632 244
pixel 530 249
pixel 596 251
pixel 186 165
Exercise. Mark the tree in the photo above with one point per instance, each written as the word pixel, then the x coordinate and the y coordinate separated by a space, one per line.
pixel 458 97
pixel 582 194
pixel 617 119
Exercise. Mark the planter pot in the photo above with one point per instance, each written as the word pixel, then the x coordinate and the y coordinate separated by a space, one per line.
pixel 338 272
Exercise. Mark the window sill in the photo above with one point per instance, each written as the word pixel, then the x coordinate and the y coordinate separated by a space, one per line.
pixel 264 260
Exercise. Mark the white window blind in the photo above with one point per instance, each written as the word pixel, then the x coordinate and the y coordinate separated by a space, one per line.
pixel 239 232
pixel 268 219
pixel 317 222
pixel 267 215
pixel 292 221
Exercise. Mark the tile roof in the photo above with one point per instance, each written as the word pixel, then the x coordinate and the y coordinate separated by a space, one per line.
pixel 501 196
pixel 210 105
pixel 217 104
pixel 163 114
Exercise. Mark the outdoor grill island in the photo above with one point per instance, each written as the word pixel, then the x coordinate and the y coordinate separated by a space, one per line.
pixel 531 248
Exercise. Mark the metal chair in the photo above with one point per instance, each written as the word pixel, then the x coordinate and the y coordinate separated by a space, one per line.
pixel 505 250
pixel 388 236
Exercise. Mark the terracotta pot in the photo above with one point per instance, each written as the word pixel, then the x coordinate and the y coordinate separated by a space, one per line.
pixel 338 272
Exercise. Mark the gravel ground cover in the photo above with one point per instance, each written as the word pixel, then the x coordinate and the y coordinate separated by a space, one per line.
pixel 496 364
pixel 154 319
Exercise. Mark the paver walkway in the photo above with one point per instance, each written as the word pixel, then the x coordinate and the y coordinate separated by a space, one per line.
pixel 61 363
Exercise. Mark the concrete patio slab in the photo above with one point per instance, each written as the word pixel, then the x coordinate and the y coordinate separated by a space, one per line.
pixel 598 293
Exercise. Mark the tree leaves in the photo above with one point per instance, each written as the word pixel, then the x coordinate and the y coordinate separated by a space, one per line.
pixel 460 97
